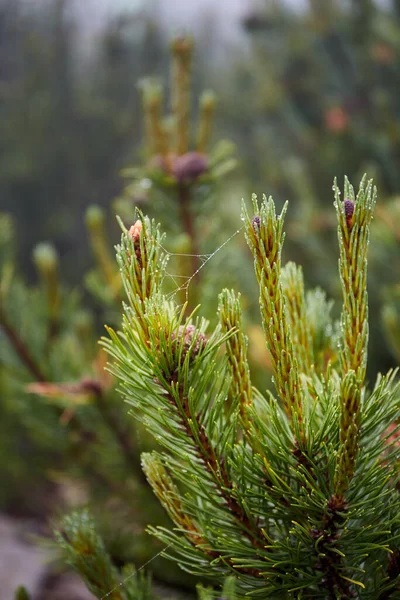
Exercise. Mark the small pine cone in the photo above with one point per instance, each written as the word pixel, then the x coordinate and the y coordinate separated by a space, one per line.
pixel 188 334
pixel 349 211
pixel 256 222
pixel 189 166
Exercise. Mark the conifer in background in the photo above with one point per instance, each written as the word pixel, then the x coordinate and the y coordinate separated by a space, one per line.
pixel 323 91
pixel 63 425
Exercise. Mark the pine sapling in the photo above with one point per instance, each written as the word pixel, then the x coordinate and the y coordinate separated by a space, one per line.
pixel 294 494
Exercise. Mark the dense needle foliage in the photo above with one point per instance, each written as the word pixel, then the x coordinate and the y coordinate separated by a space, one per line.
pixel 295 493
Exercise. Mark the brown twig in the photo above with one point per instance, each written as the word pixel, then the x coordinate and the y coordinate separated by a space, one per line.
pixel 21 349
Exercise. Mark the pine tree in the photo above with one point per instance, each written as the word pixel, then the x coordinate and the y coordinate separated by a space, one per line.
pixel 295 493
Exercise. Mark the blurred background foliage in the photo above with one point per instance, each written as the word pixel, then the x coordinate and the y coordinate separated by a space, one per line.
pixel 305 96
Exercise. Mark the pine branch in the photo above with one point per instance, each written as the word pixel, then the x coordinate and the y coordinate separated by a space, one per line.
pixel 84 550
pixel 172 350
pixel 169 496
pixel 354 217
pixel 230 315
pixel 293 289
pixel 214 464
pixel 264 234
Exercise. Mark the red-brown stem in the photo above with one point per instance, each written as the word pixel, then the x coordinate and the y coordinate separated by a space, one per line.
pixel 21 349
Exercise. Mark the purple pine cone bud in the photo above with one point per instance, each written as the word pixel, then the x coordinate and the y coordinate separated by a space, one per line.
pixel 256 222
pixel 349 211
pixel 190 166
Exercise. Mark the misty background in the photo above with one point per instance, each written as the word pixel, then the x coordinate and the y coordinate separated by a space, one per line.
pixel 306 91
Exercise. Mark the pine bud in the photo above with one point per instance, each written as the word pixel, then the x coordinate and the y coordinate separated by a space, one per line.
pixel 256 222
pixel 207 100
pixel 94 217
pixel 46 259
pixel 190 166
pixel 187 335
pixel 349 211
pixel 135 231
pixel 152 93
